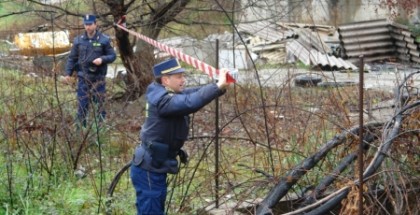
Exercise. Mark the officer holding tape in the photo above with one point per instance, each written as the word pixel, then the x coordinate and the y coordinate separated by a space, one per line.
pixel 165 130
pixel 89 56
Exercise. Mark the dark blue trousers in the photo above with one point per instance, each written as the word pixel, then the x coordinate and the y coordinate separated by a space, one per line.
pixel 151 189
pixel 90 90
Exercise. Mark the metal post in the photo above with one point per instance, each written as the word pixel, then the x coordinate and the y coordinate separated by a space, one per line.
pixel 216 176
pixel 233 34
pixel 360 156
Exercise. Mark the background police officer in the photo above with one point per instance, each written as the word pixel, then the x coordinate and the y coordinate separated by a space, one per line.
pixel 165 130
pixel 89 56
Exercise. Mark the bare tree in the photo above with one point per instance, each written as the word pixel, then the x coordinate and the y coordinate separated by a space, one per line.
pixel 148 17
pixel 284 132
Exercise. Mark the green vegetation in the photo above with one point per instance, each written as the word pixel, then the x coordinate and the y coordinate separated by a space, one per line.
pixel 9 21
pixel 19 21
pixel 40 144
pixel 39 176
pixel 53 167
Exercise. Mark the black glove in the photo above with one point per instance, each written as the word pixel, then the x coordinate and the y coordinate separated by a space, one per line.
pixel 183 156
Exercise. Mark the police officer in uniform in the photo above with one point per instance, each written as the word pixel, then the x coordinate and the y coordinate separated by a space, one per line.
pixel 89 56
pixel 165 130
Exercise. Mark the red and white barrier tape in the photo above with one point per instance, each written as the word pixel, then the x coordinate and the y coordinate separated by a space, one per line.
pixel 209 70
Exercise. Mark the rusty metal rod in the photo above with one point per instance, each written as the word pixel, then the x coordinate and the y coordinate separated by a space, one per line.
pixel 216 174
pixel 360 156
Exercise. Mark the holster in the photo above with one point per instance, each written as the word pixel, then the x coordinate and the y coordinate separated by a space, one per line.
pixel 138 156
pixel 159 153
pixel 161 158
pixel 157 157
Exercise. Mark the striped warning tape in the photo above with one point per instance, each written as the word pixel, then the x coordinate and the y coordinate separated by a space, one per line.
pixel 209 70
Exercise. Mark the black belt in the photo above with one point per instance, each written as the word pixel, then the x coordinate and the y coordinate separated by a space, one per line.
pixel 171 154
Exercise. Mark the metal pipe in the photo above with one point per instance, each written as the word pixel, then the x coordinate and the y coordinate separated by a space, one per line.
pixel 360 156
pixel 216 176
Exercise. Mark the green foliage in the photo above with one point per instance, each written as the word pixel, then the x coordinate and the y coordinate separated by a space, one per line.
pixel 5 47
pixel 38 137
pixel 301 65
pixel 12 16
pixel 415 30
pixel 8 7
pixel 402 20
pixel 38 175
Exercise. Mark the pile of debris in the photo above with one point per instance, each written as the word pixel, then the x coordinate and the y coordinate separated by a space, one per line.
pixel 378 40
pixel 317 46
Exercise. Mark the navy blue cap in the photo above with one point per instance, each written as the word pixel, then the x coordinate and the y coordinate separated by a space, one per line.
pixel 167 67
pixel 89 19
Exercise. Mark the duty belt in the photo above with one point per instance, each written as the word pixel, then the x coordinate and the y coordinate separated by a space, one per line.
pixel 154 149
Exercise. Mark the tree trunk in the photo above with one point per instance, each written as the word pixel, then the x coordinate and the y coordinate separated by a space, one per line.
pixel 138 65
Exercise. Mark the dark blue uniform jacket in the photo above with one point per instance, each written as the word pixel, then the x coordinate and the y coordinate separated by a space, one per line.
pixel 85 50
pixel 167 120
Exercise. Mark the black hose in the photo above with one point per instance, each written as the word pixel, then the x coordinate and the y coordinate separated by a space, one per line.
pixel 113 185
pixel 323 209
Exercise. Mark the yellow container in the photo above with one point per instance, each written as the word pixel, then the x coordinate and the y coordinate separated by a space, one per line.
pixel 43 43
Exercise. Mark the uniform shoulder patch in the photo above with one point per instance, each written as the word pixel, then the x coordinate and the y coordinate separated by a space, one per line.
pixel 105 36
pixel 169 91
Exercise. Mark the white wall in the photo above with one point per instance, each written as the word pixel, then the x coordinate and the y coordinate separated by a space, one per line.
pixel 318 11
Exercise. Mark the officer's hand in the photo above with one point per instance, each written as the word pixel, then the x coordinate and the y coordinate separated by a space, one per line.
pixel 97 61
pixel 183 156
pixel 66 79
pixel 222 82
